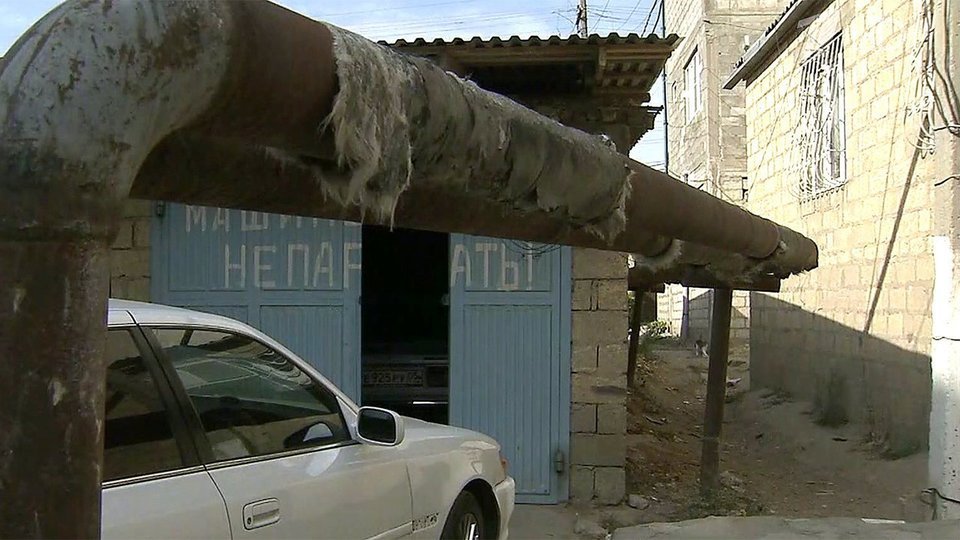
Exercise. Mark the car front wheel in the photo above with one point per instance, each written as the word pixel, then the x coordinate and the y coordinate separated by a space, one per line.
pixel 465 521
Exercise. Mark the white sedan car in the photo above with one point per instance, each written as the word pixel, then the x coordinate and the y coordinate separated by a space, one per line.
pixel 214 430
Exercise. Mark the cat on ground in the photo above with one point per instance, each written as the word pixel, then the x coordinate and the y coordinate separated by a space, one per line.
pixel 701 346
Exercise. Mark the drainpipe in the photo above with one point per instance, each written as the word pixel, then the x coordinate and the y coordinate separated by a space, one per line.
pixel 944 457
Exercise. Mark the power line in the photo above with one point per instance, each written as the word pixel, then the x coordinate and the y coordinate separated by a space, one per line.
pixel 459 20
pixel 398 8
pixel 647 20
pixel 632 11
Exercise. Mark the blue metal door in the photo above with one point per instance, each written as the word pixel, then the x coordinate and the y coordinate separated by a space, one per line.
pixel 510 354
pixel 296 279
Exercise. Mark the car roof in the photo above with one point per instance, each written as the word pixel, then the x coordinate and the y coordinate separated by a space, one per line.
pixel 147 313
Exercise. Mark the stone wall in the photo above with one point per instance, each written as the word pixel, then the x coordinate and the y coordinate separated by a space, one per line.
pixel 598 418
pixel 130 255
pixel 854 335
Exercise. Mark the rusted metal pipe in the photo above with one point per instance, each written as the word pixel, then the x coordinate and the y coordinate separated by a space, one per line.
pixel 215 172
pixel 85 93
pixel 92 89
pixel 199 170
pixel 277 96
pixel 677 210
pixel 52 300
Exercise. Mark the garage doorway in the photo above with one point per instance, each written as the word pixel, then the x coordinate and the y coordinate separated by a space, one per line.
pixel 405 314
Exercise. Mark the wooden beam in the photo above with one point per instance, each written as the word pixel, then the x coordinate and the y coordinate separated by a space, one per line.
pixel 716 392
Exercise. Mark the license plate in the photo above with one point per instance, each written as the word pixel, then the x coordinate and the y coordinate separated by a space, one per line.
pixel 393 377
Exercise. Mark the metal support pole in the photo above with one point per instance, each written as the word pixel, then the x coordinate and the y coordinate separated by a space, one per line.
pixel 716 392
pixel 634 337
pixel 53 296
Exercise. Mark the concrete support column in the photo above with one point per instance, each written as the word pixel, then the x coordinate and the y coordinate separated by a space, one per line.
pixel 944 460
pixel 599 384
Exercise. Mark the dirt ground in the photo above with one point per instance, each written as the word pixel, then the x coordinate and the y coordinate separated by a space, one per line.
pixel 775 459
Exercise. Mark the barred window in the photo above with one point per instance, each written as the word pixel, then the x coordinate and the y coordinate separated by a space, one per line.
pixel 821 130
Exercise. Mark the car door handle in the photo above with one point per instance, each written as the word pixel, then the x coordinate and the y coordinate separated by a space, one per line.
pixel 261 513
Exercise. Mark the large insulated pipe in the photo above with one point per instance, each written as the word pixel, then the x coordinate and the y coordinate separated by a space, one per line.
pixel 92 89
pixel 401 122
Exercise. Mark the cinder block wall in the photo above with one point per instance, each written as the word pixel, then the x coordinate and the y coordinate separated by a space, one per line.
pixel 599 410
pixel 698 316
pixel 130 255
pixel 854 335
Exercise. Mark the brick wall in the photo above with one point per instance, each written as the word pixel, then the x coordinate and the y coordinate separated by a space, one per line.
pixel 130 256
pixel 598 418
pixel 854 335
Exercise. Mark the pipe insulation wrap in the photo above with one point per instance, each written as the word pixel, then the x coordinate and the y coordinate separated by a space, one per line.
pixel 399 119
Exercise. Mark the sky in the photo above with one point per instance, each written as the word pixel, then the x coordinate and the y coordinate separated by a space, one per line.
pixel 409 19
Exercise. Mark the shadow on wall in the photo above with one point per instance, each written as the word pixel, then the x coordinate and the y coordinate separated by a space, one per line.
pixel 850 376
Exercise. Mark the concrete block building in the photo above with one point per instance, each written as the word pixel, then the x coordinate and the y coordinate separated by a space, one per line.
pixel 840 145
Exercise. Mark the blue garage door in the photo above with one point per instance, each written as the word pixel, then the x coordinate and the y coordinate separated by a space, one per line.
pixel 510 354
pixel 296 279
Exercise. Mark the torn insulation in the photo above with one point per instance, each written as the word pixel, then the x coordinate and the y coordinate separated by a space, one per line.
pixel 398 120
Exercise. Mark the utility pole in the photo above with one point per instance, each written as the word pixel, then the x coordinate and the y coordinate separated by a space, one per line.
pixel 582 19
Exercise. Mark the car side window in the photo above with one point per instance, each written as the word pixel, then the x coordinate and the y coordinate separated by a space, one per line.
pixel 251 400
pixel 138 438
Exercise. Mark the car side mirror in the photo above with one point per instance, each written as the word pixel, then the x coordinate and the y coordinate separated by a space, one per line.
pixel 379 427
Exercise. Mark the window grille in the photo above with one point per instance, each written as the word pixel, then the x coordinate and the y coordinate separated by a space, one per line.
pixel 821 130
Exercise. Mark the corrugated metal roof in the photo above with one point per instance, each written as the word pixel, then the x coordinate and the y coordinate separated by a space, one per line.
pixel 536 41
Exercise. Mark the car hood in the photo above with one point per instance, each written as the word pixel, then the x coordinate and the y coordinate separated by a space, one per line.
pixel 419 430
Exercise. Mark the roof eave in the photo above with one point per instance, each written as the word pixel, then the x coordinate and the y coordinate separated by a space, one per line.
pixel 761 49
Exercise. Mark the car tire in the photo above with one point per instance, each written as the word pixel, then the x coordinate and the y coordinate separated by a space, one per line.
pixel 465 521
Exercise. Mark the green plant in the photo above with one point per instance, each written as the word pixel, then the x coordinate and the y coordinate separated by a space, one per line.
pixel 656 330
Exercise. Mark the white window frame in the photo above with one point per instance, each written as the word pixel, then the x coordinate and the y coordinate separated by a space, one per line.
pixel 822 127
pixel 693 84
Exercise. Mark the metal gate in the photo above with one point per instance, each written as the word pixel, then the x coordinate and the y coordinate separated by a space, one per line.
pixel 510 355
pixel 296 279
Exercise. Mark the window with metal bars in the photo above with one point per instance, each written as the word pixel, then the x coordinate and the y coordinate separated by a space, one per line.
pixel 821 131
